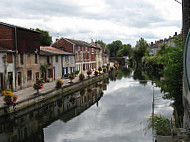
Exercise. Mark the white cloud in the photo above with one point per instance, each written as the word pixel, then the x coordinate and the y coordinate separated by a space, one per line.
pixel 99 19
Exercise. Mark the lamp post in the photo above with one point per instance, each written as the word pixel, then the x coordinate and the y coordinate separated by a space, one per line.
pixel 4 58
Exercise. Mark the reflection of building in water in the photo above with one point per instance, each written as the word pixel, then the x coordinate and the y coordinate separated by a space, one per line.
pixel 29 126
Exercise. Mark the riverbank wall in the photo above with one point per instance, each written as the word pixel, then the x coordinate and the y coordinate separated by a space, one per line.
pixel 36 100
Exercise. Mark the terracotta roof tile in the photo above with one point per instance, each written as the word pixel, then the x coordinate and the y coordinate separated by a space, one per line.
pixel 48 50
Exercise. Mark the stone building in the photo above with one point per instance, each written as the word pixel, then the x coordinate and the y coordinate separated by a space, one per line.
pixel 154 47
pixel 103 55
pixel 7 69
pixel 58 62
pixel 85 53
pixel 26 45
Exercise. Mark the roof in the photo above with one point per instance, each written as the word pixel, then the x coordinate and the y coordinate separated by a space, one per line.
pixel 98 45
pixel 81 43
pixel 76 42
pixel 48 50
pixel 14 26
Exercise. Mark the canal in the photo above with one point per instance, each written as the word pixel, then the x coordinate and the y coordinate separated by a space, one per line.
pixel 116 109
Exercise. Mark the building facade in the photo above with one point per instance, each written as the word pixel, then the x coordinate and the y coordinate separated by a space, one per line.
pixel 85 53
pixel 57 63
pixel 26 44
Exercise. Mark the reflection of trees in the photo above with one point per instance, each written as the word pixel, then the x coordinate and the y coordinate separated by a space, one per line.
pixel 120 73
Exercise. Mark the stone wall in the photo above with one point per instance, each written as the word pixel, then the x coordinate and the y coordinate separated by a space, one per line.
pixel 42 98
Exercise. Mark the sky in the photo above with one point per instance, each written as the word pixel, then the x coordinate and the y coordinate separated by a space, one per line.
pixel 107 20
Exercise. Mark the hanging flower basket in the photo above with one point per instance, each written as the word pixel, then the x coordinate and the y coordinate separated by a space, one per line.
pixel 38 85
pixel 100 69
pixel 104 69
pixel 59 83
pixel 9 97
pixel 96 72
pixel 81 76
pixel 71 77
pixel 89 72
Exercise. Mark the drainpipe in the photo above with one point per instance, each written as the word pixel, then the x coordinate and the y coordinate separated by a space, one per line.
pixel 15 59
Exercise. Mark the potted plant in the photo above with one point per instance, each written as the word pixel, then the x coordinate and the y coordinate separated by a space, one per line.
pixel 9 97
pixel 104 69
pixel 81 76
pixel 89 72
pixel 38 85
pixel 111 68
pixel 66 75
pixel 96 72
pixel 71 77
pixel 76 72
pixel 100 69
pixel 59 83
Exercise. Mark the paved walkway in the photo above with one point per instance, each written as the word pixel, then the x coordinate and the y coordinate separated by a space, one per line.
pixel 30 91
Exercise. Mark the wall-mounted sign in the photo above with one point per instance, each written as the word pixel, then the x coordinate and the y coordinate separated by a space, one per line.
pixel 187 60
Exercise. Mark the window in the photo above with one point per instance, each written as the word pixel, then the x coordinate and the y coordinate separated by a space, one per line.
pixel 88 56
pixel 29 75
pixel 21 59
pixel 9 58
pixel 92 49
pixel 93 57
pixel 50 73
pixel 48 59
pixel 67 59
pixel 36 59
pixel 56 58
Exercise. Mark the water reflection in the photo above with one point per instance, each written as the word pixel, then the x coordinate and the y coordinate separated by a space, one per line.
pixel 113 110
pixel 29 127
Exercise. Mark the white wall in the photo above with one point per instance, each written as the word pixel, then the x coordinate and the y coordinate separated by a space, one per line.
pixel 10 68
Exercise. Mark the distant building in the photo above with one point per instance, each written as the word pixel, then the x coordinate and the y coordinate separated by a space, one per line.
pixel 85 53
pixel 103 55
pixel 154 47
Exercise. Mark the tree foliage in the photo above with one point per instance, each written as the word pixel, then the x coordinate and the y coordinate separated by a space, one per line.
pixel 118 49
pixel 45 38
pixel 102 44
pixel 140 50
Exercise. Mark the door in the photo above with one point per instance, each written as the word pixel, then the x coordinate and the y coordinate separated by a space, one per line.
pixel 1 81
pixel 19 79
pixel 10 80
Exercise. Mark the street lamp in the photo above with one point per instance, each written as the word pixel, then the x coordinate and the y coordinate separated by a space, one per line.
pixel 4 58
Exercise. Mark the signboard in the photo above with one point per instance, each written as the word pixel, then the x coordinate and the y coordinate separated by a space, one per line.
pixel 187 60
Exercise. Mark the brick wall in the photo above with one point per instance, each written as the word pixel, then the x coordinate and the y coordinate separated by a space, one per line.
pixel 28 41
pixel 64 44
pixel 6 37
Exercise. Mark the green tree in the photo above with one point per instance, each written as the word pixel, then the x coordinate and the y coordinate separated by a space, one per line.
pixel 114 47
pixel 45 38
pixel 126 50
pixel 101 43
pixel 140 50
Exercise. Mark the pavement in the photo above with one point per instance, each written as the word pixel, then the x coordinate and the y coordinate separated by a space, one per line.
pixel 30 91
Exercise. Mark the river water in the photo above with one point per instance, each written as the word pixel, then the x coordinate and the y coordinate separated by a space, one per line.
pixel 113 110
